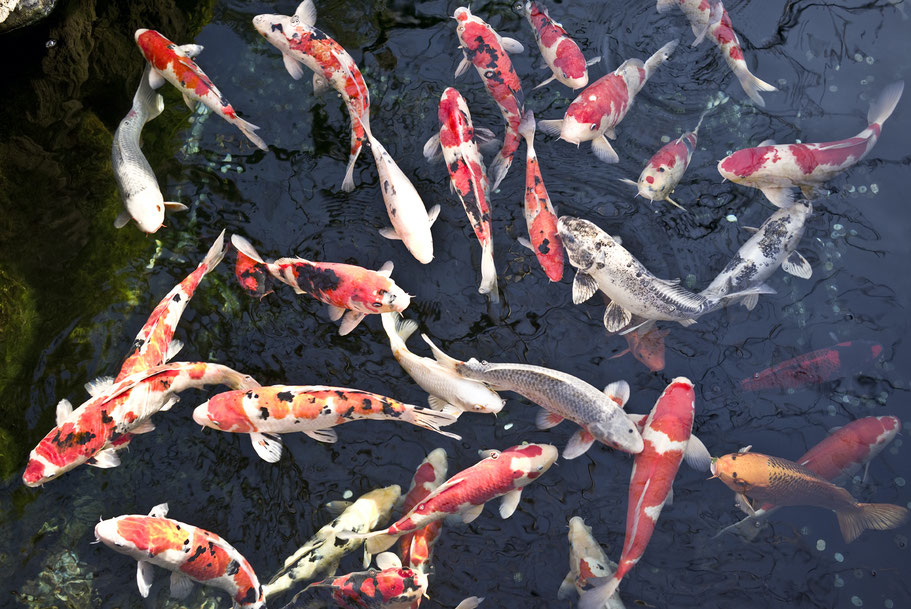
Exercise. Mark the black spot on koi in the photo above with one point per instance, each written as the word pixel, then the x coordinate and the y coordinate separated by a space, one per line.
pixel 316 280
pixel 285 396
pixel 263 413
pixel 544 248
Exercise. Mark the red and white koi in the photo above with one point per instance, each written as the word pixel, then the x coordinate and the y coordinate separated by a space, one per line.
pixel 698 13
pixel 416 548
pixel 251 275
pixel 267 412
pixel 597 111
pixel 191 555
pixel 174 64
pixel 560 52
pixel 487 51
pixel 93 432
pixel 466 174
pixel 666 436
pixel 540 218
pixel 350 291
pixel 776 169
pixel 500 474
pixel 393 587
pixel 587 563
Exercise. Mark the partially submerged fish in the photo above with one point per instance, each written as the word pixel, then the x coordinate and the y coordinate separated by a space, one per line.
pixel 416 548
pixel 191 555
pixel 267 412
pixel 560 52
pixel 777 169
pixel 392 587
pixel 587 563
pixel 647 346
pixel 815 367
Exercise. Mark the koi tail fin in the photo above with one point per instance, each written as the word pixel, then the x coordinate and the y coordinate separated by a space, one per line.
pixel 246 248
pixel 216 253
pixel 660 56
pixel 498 168
pixel 356 146
pixel 752 85
pixel 527 127
pixel 398 329
pixel 597 598
pixel 885 104
pixel 248 129
pixel 488 272
pixel 878 516
pixel 432 420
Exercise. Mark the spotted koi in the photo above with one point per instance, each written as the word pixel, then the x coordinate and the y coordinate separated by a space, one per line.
pixel 666 436
pixel 93 432
pixel 251 275
pixel 267 412
pixel 560 52
pixel 587 563
pixel 487 51
pixel 393 587
pixel 776 169
pixel 190 553
pixel 416 548
pixel 172 63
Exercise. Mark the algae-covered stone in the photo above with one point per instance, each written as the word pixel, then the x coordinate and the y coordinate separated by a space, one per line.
pixel 20 13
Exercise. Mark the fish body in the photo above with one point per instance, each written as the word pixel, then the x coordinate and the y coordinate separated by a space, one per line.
pixel 776 169
pixel 540 218
pixel 251 275
pixel 487 51
pixel 647 347
pixel 174 64
pixel 766 479
pixel 191 554
pixel 815 367
pixel 721 31
pixel 395 587
pixel 448 390
pixel 467 176
pixel 698 13
pixel 300 42
pixel 666 435
pixel 500 474
pixel 416 548
pixel 773 245
pixel 154 346
pixel 142 198
pixel 563 396
pixel 267 412
pixel 600 107
pixel 322 553
pixel 93 432
pixel 587 561
pixel 560 52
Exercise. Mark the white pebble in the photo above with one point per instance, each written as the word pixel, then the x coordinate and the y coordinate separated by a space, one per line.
pixel 874 188
pixel 839 582
pixel 870 60
pixel 858 57
pixel 347 494
pixel 899 481
pixel 821 544
pixel 839 557
pixel 507 426
pixel 731 218
pixel 862 189
pixel 855 600
pixel 665 139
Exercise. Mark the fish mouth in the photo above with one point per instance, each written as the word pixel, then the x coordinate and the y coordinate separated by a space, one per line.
pixel 712 468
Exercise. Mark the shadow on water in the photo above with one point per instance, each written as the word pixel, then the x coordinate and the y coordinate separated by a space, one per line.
pixel 73 292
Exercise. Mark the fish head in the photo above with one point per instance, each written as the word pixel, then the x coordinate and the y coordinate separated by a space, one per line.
pixel 43 467
pixel 528 461
pixel 574 130
pixel 583 241
pixel 276 29
pixel 462 14
pixel 106 532
pixel 735 470
pixel 38 471
pixel 618 432
pixel 147 209
pixel 225 411
pixel 654 184
pixel 484 400
pixel 393 299
pixel 746 166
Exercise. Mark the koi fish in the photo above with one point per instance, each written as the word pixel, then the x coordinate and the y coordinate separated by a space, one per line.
pixel 815 367
pixel 666 436
pixel 251 275
pixel 544 240
pixel 721 31
pixel 393 587
pixel 267 412
pixel 344 287
pixel 155 344
pixel 773 245
pixel 449 392
pixel 698 13
pixel 596 112
pixel 487 51
pixel 94 432
pixel 499 474
pixel 174 64
pixel 560 52
pixel 776 169
pixel 781 482
pixel 665 169
pixel 836 458
pixel 322 553
pixel 587 563
pixel 300 42
pixel 191 555
pixel 647 346
pixel 467 177
pixel 416 548
pixel 142 199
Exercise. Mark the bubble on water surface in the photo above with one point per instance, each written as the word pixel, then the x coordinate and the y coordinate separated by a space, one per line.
pixel 855 600
pixel 348 494
pixel 839 557
pixel 839 582
pixel 820 544
pixel 731 218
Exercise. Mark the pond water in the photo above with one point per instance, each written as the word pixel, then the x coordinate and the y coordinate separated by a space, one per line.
pixel 828 60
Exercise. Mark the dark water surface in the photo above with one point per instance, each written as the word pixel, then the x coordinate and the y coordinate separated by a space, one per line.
pixel 829 61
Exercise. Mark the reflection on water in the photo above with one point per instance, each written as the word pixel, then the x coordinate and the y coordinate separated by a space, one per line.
pixel 91 296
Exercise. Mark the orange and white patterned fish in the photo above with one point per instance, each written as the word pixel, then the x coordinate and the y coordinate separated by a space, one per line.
pixel 174 64
pixel 666 435
pixel 587 564
pixel 416 548
pixel 560 52
pixel 191 555
pixel 267 412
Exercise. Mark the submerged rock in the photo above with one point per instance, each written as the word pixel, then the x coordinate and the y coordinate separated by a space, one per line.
pixel 20 13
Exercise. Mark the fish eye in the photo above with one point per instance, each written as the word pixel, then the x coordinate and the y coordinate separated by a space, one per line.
pixel 734 474
pixel 593 127
pixel 484 362
pixel 376 305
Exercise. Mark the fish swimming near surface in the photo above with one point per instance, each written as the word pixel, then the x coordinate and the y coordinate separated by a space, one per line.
pixel 116 413
pixel 499 474
pixel 540 218
pixel 647 346
pixel 666 436
pixel 766 479
pixel 190 553
pixel 815 367
pixel 352 292
pixel 392 587
pixel 488 52
pixel 142 198
pixel 322 553
pixel 836 458
pixel 174 64
pixel 252 276
pixel 599 108
pixel 467 177
pixel 773 245
pixel 416 548
pixel 777 169
pixel 560 52
pixel 267 412
pixel 449 392
pixel 587 563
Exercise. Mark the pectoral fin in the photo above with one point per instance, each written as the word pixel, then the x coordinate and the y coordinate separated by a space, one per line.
pixel 797 265
pixel 511 45
pixel 144 577
pixel 509 503
pixel 744 504
pixel 156 80
pixel 616 317
pixel 697 455
pixel 323 435
pixel 433 152
pixel 268 446
pixel 122 219
pixel 547 419
pixel 578 444
pixel 295 69
pixel 105 459
pixel 335 313
pixel 389 233
pixel 463 65
pixel 472 513
pixel 350 321
pixel 584 287
pixel 64 409
pixel 180 585
pixel 779 196
pixel 567 587
pixel 190 102
pixel 604 151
